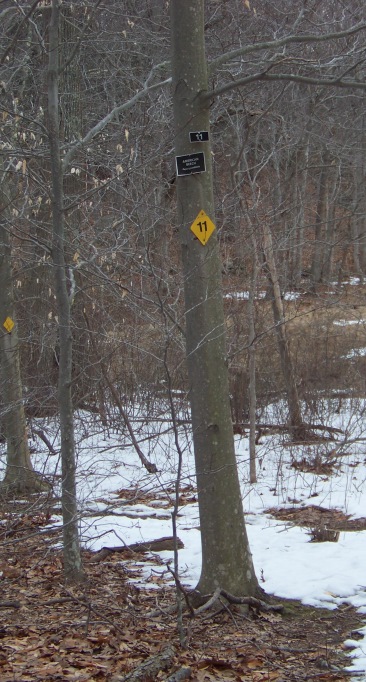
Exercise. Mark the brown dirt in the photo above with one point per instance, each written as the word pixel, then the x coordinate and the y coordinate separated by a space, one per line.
pixel 110 626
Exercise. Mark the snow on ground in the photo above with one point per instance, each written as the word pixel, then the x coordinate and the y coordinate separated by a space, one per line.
pixel 244 295
pixel 346 323
pixel 289 565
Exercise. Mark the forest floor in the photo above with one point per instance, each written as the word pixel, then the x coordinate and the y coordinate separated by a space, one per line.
pixel 107 628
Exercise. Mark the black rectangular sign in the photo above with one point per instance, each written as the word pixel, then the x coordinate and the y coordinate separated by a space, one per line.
pixel 199 136
pixel 190 163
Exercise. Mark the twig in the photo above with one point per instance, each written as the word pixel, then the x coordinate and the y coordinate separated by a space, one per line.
pixel 181 589
pixel 9 605
pixel 88 605
pixel 150 466
pixel 46 441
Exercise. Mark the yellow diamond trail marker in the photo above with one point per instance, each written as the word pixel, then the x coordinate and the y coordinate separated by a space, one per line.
pixel 203 227
pixel 9 324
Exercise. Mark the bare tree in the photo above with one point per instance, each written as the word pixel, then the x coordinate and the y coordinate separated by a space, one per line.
pixel 226 558
pixel 72 557
pixel 118 147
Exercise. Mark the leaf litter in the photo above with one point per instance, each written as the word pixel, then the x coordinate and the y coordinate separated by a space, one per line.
pixel 122 616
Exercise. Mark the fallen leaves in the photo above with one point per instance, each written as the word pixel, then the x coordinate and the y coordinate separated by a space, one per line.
pixel 313 516
pixel 105 631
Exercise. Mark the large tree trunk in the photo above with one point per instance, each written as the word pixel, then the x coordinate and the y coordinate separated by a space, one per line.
pixel 20 476
pixel 226 558
pixel 72 559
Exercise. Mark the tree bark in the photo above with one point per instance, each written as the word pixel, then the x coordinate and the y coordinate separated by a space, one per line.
pixel 252 366
pixel 20 476
pixel 72 558
pixel 299 200
pixel 226 557
pixel 320 222
pixel 296 423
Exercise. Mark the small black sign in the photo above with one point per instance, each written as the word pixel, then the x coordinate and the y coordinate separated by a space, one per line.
pixel 190 163
pixel 199 136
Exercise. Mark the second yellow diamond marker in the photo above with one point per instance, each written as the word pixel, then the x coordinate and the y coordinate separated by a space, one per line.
pixel 8 324
pixel 203 227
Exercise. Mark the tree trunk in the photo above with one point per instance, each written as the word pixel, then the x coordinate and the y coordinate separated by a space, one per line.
pixel 331 218
pixel 20 476
pixel 72 560
pixel 296 424
pixel 252 365
pixel 320 222
pixel 358 225
pixel 226 558
pixel 299 200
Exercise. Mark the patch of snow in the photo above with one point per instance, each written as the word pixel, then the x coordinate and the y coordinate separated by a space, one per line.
pixel 355 353
pixel 345 323
pixel 320 574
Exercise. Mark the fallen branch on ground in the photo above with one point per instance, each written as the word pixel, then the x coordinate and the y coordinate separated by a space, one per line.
pixel 149 669
pixel 9 605
pixel 159 545
pixel 183 673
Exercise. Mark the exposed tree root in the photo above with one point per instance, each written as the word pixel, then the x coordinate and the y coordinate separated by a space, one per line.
pixel 252 602
pixel 23 484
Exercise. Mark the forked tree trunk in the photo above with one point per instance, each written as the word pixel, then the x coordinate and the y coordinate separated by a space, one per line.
pixel 226 558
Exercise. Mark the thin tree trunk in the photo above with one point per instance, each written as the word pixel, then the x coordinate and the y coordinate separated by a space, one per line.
pixel 358 225
pixel 320 222
pixel 300 194
pixel 72 559
pixel 295 418
pixel 252 366
pixel 226 558
pixel 330 222
pixel 20 476
pixel 355 228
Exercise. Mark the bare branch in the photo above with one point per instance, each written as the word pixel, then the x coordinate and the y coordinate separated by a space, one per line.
pixel 93 132
pixel 25 18
pixel 287 40
pixel 77 45
pixel 337 82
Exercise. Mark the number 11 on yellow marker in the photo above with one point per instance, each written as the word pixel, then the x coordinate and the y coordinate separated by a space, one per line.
pixel 203 227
